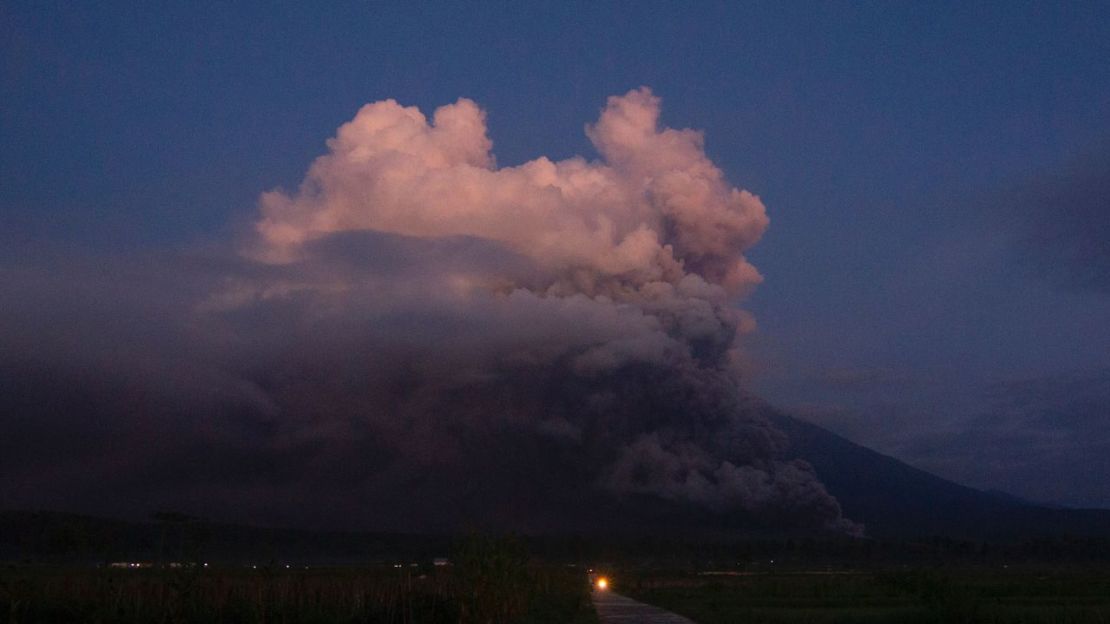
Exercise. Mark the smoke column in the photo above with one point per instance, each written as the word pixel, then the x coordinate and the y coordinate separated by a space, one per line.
pixel 609 321
pixel 418 339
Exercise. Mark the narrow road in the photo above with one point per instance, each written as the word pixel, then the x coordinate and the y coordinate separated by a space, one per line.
pixel 616 609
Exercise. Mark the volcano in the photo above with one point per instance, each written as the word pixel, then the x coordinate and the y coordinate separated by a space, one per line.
pixel 894 499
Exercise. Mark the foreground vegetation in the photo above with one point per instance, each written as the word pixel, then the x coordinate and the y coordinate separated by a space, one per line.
pixel 63 575
pixel 923 595
pixel 490 582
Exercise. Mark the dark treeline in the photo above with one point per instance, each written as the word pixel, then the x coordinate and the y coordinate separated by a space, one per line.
pixel 169 536
pixel 47 537
pixel 808 551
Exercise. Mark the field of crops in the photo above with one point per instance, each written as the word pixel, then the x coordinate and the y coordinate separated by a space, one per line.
pixel 938 595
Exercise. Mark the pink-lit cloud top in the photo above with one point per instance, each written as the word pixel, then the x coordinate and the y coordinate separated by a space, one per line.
pixel 654 209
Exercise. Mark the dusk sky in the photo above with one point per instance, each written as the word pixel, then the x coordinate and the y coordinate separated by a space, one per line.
pixel 935 275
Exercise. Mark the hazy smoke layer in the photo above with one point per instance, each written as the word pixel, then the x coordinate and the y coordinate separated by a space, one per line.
pixel 417 338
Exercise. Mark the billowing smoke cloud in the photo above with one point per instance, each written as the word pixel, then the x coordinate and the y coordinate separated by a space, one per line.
pixel 655 211
pixel 416 338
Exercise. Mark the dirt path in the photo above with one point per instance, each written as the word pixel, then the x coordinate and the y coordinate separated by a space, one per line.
pixel 616 609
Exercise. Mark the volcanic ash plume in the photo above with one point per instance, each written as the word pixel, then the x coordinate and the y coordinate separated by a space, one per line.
pixel 605 323
pixel 417 339
pixel 656 211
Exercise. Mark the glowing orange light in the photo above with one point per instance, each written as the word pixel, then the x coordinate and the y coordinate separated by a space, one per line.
pixel 602 583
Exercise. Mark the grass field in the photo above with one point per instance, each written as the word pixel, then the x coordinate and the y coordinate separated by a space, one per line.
pixel 489 582
pixel 923 595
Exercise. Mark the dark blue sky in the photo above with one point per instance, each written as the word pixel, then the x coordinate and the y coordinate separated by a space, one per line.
pixel 935 174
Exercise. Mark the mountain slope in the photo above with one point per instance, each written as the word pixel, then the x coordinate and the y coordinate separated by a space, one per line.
pixel 894 499
pixel 891 498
